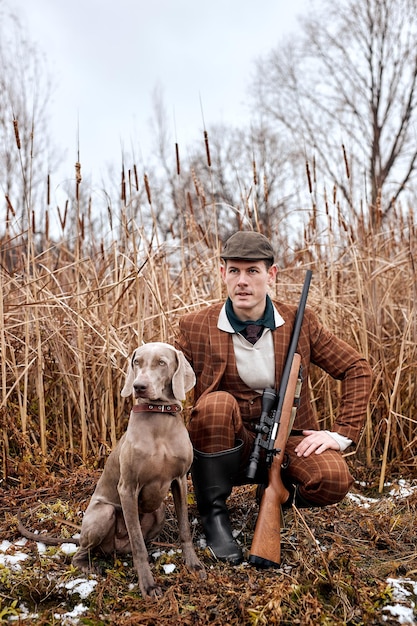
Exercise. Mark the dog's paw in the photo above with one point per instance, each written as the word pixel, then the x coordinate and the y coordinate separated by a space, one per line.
pixel 83 565
pixel 195 566
pixel 200 571
pixel 148 588
pixel 152 593
pixel 87 566
pixel 91 569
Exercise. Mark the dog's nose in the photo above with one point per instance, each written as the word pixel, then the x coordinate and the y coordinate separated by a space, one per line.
pixel 140 387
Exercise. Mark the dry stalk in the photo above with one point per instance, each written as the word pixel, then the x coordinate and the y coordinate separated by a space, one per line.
pixel 391 413
pixel 313 539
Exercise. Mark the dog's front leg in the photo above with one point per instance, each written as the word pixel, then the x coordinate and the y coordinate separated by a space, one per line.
pixel 129 501
pixel 179 493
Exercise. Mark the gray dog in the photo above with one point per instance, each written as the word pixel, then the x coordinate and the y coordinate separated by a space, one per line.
pixel 155 453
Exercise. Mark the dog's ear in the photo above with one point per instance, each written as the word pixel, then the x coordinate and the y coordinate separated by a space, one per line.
pixel 184 377
pixel 130 377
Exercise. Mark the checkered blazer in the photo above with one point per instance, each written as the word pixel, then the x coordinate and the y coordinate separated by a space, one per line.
pixel 207 349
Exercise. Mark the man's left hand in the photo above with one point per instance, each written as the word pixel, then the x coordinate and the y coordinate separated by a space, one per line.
pixel 316 441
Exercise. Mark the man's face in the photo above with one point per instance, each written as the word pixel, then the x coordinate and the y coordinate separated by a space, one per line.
pixel 247 285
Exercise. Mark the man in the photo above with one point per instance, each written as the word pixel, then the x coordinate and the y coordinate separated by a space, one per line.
pixel 237 349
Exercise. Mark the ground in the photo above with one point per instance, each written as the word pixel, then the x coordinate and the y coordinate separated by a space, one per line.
pixel 340 564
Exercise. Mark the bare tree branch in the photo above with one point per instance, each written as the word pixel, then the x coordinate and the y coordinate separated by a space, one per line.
pixel 351 79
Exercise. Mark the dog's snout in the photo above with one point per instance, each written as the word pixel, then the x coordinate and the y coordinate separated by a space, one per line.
pixel 140 387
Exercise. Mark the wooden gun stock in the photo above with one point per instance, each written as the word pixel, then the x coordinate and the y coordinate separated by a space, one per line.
pixel 266 544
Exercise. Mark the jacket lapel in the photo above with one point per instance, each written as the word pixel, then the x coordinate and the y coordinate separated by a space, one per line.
pixel 281 338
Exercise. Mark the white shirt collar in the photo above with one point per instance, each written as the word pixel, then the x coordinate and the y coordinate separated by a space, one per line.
pixel 224 324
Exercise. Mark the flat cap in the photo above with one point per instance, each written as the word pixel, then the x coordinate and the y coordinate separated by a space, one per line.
pixel 248 245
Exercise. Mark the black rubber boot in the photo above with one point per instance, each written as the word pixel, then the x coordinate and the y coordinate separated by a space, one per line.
pixel 213 476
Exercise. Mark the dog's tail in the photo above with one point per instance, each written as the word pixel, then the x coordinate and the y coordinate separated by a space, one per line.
pixel 48 540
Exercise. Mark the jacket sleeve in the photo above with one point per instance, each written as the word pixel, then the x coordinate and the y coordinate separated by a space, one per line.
pixel 344 363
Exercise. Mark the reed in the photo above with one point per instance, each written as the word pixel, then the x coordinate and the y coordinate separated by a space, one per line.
pixel 73 308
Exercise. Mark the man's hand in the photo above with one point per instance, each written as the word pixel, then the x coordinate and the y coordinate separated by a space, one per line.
pixel 316 441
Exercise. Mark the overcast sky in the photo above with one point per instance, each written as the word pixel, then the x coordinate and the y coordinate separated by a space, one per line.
pixel 107 56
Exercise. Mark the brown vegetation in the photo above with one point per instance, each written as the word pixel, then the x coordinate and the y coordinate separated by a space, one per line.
pixel 71 312
pixel 73 308
pixel 335 569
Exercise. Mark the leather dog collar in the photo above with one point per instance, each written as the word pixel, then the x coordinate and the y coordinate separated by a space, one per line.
pixel 157 408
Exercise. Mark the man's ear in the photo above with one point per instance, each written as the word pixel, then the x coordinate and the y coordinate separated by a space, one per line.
pixel 272 272
pixel 223 270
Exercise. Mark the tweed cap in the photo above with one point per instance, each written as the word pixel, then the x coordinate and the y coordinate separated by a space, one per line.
pixel 248 245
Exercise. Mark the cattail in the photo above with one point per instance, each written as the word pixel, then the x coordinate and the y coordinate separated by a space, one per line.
pixel 255 174
pixel 203 234
pixel 48 190
pixel 63 218
pixel 206 142
pixel 190 203
pixel 248 208
pixel 177 157
pixel 109 213
pixel 310 187
pixel 10 207
pixel 47 224
pixel 78 177
pixel 195 181
pixel 342 222
pixel 266 192
pixel 135 172
pixel 16 133
pixel 123 187
pixel 346 161
pixel 148 189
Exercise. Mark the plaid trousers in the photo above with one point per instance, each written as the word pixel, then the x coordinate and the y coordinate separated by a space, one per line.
pixel 216 423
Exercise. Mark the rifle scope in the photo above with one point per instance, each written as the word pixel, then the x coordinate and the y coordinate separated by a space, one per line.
pixel 269 399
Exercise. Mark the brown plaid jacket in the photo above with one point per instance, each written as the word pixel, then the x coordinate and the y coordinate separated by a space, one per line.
pixel 207 349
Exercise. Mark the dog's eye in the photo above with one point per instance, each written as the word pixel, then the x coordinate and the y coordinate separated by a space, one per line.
pixel 162 362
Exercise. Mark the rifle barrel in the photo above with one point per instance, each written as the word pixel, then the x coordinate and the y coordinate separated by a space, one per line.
pixel 291 351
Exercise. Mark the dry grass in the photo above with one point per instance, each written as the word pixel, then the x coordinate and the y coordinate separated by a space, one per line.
pixel 72 311
pixel 73 307
pixel 336 562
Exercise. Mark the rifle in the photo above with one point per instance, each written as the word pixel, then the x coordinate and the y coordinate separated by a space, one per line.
pixel 277 417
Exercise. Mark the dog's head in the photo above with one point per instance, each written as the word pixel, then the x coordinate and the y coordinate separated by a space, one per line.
pixel 158 371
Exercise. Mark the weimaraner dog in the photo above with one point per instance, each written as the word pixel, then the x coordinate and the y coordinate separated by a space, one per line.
pixel 154 454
